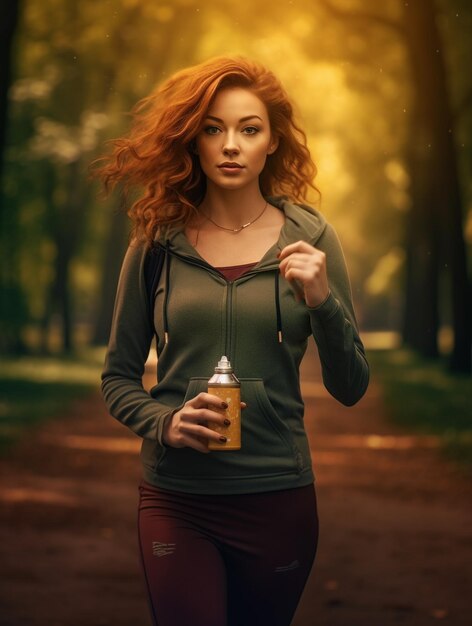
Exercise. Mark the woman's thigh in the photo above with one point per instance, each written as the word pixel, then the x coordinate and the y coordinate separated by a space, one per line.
pixel 184 572
pixel 268 571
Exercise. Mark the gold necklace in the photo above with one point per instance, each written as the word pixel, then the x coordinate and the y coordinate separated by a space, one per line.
pixel 238 230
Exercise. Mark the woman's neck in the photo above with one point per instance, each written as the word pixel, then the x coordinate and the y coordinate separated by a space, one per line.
pixel 232 208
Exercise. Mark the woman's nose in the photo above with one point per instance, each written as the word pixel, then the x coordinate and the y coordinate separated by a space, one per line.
pixel 230 144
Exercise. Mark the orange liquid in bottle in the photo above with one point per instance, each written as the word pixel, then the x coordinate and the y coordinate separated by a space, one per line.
pixel 232 396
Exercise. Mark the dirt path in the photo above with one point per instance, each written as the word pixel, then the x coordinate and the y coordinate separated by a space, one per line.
pixel 395 523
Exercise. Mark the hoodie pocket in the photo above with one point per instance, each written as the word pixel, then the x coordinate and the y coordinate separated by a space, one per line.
pixel 267 445
pixel 264 433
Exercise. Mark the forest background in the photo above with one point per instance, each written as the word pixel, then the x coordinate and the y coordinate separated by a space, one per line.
pixel 382 90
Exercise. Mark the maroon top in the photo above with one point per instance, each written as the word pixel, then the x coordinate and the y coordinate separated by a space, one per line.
pixel 235 271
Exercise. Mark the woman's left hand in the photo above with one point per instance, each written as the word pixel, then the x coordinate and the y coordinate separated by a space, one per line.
pixel 305 268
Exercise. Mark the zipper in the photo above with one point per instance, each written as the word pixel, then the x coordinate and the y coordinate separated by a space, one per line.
pixel 228 297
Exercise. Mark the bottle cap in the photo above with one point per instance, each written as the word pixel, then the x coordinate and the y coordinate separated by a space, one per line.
pixel 223 365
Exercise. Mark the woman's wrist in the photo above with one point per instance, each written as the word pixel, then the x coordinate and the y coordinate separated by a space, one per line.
pixel 318 304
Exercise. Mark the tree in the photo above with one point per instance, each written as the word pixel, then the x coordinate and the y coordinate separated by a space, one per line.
pixel 8 27
pixel 435 230
pixel 79 70
pixel 11 303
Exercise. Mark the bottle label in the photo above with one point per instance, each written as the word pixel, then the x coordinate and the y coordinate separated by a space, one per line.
pixel 232 397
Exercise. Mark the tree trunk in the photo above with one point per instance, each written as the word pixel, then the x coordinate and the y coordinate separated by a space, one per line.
pixel 8 24
pixel 67 232
pixel 12 303
pixel 436 144
pixel 421 314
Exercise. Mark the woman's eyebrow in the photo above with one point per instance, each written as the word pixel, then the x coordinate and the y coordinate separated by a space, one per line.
pixel 243 119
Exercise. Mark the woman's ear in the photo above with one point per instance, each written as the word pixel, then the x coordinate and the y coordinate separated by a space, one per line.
pixel 274 144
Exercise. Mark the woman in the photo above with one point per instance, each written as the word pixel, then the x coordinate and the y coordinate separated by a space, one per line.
pixel 250 272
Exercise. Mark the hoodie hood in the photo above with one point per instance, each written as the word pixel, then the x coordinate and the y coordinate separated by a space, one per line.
pixel 301 221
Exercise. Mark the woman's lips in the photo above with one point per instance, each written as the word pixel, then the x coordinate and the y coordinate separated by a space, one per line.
pixel 230 169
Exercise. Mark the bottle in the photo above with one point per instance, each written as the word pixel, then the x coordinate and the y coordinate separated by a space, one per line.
pixel 226 386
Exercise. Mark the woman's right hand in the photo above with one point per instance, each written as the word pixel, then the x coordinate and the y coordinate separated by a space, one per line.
pixel 187 427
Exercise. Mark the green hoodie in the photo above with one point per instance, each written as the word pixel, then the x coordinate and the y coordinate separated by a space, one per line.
pixel 203 316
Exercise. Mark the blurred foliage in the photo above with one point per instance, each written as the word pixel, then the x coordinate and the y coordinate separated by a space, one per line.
pixel 33 389
pixel 424 398
pixel 80 68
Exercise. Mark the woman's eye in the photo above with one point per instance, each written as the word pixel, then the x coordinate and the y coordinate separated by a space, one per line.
pixel 211 130
pixel 251 130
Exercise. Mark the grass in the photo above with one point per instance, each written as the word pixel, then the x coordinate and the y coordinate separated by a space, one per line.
pixel 33 389
pixel 424 397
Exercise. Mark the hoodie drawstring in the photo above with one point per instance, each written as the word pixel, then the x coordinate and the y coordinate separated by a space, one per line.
pixel 166 293
pixel 277 306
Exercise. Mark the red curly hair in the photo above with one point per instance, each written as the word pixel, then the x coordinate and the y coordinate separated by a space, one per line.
pixel 157 153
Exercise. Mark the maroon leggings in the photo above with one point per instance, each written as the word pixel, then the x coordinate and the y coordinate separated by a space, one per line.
pixel 232 560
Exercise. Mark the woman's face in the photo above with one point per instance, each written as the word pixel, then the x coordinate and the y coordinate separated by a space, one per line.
pixel 236 130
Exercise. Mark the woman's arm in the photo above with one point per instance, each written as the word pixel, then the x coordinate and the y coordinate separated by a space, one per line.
pixel 322 276
pixel 128 349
